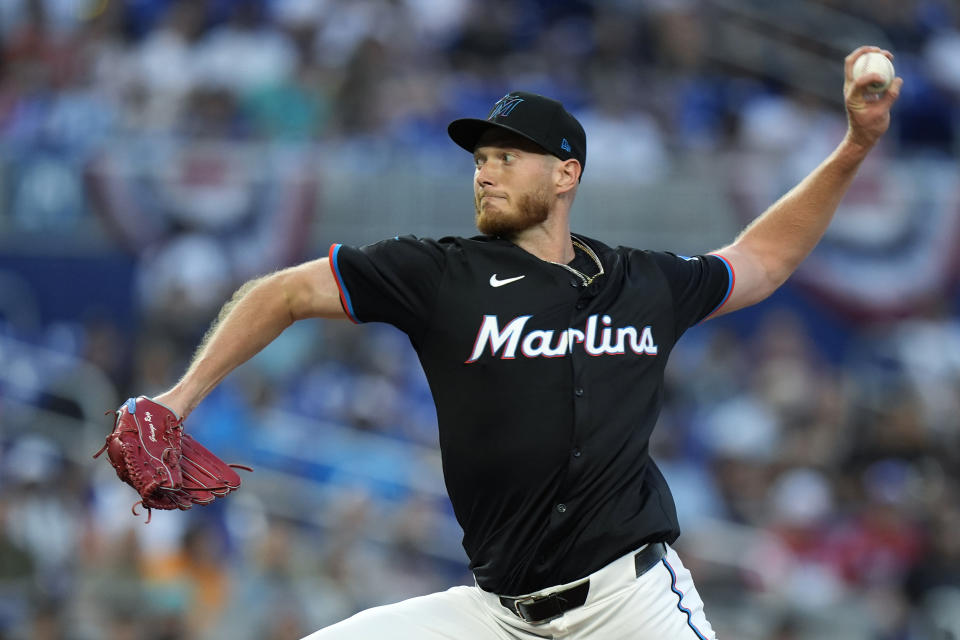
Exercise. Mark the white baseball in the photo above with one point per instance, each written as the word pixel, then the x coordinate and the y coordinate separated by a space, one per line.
pixel 874 62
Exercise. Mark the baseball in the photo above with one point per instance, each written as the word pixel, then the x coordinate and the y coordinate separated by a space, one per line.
pixel 874 62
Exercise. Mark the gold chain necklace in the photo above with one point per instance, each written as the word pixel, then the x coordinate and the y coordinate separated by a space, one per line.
pixel 583 246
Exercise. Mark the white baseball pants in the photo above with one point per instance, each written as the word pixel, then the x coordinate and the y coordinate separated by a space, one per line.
pixel 662 604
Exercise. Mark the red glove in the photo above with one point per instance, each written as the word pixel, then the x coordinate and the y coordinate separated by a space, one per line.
pixel 168 468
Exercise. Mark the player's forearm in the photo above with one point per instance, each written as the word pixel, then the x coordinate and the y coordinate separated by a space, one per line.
pixel 787 232
pixel 258 312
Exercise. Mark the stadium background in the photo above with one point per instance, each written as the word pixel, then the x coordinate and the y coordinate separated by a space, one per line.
pixel 154 154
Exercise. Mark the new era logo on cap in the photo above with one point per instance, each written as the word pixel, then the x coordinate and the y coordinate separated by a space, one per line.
pixel 537 118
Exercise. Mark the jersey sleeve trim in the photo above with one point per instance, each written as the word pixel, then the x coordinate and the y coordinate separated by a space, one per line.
pixel 344 294
pixel 731 280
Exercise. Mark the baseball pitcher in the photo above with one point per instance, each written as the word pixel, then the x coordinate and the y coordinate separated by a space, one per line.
pixel 545 352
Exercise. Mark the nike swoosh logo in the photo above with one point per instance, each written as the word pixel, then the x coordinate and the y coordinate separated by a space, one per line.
pixel 494 282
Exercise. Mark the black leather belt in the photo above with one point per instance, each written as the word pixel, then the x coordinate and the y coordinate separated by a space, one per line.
pixel 540 609
pixel 650 555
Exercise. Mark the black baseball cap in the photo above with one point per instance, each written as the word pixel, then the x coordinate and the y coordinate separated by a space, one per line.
pixel 535 117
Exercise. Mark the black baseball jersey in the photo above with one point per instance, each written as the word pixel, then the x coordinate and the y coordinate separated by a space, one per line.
pixel 546 390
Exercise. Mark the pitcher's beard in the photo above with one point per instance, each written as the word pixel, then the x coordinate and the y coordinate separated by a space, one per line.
pixel 532 209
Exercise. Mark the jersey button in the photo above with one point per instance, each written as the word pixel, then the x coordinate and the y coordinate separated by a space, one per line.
pixel 580 305
pixel 576 452
pixel 574 283
pixel 578 391
pixel 561 508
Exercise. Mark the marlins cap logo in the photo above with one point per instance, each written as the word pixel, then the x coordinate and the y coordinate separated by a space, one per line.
pixel 504 106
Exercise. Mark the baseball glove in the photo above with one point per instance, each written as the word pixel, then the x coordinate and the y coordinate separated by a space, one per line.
pixel 168 468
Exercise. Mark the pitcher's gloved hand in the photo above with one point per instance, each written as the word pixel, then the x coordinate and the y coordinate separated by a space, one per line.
pixel 168 468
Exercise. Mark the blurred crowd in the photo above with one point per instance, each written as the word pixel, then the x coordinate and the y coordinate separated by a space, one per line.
pixel 811 443
pixel 75 71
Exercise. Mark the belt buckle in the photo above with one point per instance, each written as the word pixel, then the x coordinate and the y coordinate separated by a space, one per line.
pixel 528 600
pixel 534 600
